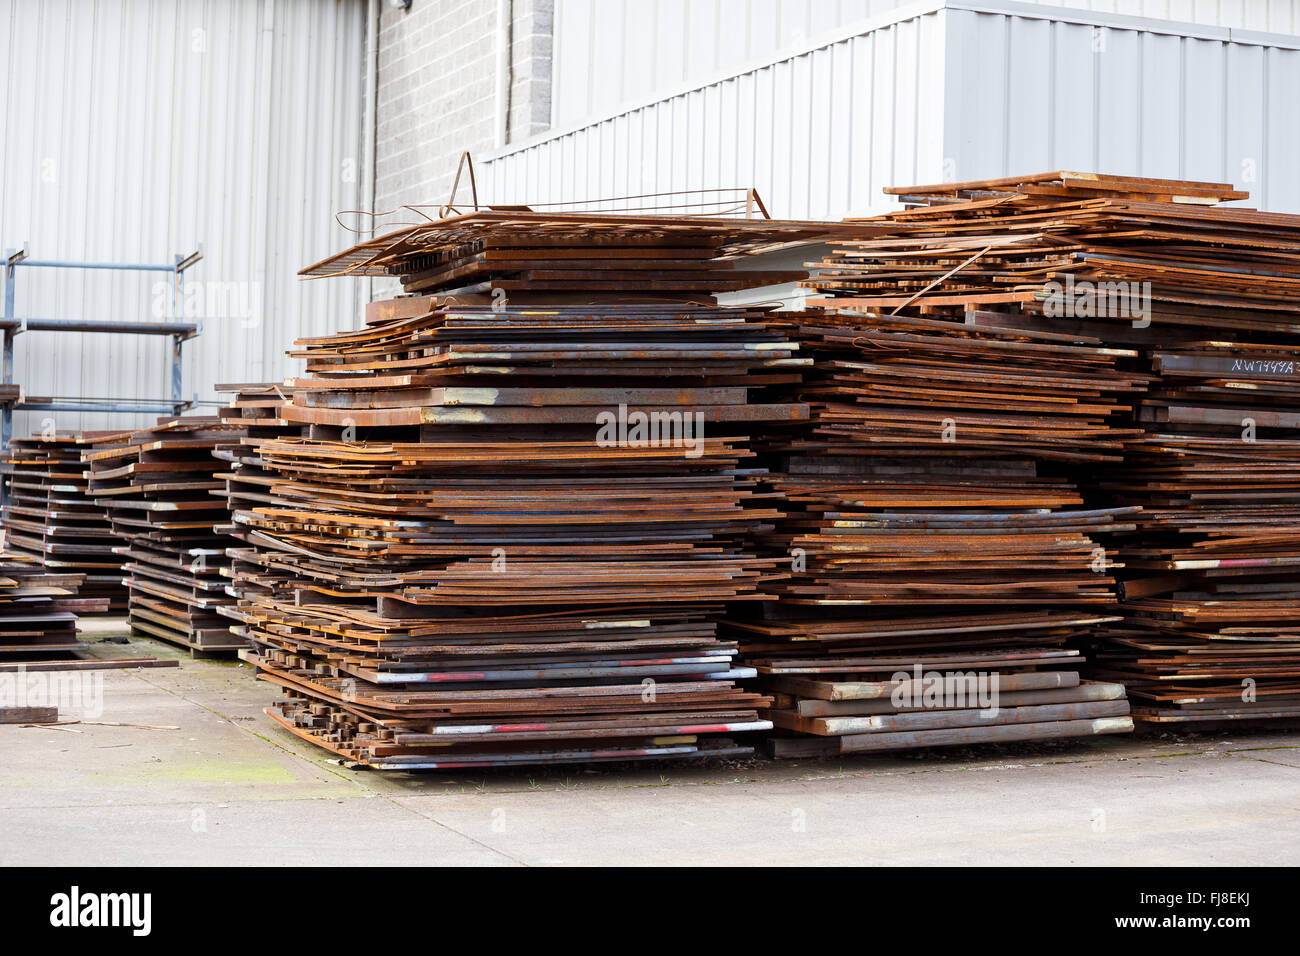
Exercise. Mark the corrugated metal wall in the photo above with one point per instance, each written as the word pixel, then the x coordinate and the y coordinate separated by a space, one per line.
pixel 1271 16
pixel 817 134
pixel 1028 94
pixel 612 54
pixel 609 53
pixel 134 130
pixel 964 91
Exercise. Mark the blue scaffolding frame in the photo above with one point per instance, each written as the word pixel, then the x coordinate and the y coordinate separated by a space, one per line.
pixel 178 329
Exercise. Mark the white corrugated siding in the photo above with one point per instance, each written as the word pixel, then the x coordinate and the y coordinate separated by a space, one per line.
pixel 951 91
pixel 133 131
pixel 1032 94
pixel 817 134
pixel 1270 16
pixel 612 53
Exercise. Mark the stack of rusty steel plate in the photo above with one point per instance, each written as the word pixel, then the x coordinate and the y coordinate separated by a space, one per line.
pixel 935 521
pixel 517 504
pixel 557 586
pixel 567 257
pixel 901 387
pixel 39 609
pixel 157 485
pixel 255 410
pixel 930 533
pixel 1105 256
pixel 1213 599
pixel 1206 295
pixel 470 366
pixel 49 515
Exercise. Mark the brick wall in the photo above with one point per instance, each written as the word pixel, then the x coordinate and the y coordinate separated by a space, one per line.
pixel 437 90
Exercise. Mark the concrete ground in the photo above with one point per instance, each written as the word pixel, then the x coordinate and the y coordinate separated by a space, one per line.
pixel 204 777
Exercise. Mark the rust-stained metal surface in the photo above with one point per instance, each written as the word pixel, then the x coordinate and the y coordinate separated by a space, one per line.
pixel 1197 304
pixel 38 611
pixel 931 526
pixel 157 485
pixel 50 515
pixel 637 255
pixel 487 530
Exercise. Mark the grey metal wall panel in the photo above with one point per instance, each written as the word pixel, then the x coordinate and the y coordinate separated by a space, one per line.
pixel 614 53
pixel 817 133
pixel 962 90
pixel 1129 97
pixel 134 130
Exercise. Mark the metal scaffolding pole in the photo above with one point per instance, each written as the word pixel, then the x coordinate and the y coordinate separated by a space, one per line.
pixel 13 325
pixel 177 329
